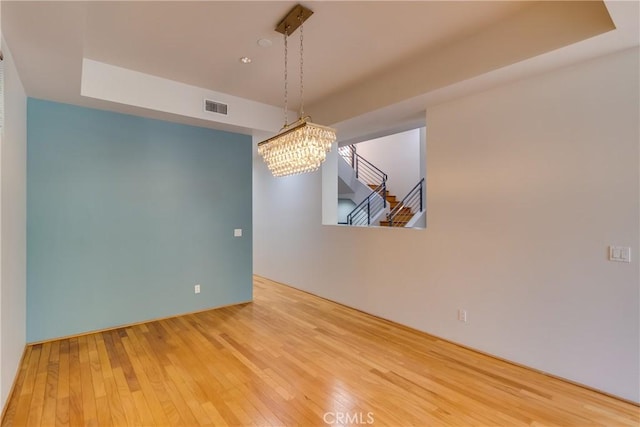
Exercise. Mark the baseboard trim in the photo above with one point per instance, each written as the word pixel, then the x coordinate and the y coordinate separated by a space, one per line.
pixel 483 353
pixel 128 325
pixel 538 371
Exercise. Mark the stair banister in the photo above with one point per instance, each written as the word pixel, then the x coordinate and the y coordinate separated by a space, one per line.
pixel 410 201
pixel 369 174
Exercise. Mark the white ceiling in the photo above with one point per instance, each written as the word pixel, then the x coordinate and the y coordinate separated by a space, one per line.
pixel 360 56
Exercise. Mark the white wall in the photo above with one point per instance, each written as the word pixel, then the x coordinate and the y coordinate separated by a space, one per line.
pixel 398 156
pixel 345 206
pixel 527 184
pixel 13 162
pixel 121 85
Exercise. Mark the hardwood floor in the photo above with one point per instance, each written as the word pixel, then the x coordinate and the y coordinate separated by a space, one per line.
pixel 289 358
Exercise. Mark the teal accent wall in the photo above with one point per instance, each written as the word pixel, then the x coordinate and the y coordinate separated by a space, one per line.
pixel 126 214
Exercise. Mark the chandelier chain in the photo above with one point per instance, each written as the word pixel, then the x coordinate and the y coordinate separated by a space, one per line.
pixel 301 146
pixel 301 67
pixel 286 93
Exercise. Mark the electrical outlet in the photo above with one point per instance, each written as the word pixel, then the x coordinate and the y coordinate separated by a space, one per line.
pixel 462 315
pixel 196 289
pixel 620 253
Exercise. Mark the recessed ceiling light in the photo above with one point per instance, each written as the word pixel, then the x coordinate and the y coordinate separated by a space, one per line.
pixel 245 60
pixel 264 43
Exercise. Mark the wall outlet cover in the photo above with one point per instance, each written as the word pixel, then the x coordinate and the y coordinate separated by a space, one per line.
pixel 620 253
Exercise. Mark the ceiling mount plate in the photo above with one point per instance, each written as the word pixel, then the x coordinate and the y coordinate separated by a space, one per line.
pixel 294 19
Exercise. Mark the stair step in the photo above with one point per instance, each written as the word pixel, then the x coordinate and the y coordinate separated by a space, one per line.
pixel 375 187
pixel 401 219
pixel 397 220
pixel 402 211
pixel 395 223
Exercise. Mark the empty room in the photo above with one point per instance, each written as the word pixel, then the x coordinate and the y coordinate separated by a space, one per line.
pixel 320 213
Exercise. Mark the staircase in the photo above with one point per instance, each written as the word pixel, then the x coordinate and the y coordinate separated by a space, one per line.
pixel 367 212
pixel 402 212
pixel 401 218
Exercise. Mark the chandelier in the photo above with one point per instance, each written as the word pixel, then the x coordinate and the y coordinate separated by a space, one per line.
pixel 300 146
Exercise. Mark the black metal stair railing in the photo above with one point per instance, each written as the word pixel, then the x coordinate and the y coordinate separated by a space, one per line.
pixel 348 153
pixel 410 205
pixel 366 171
pixel 372 176
pixel 364 213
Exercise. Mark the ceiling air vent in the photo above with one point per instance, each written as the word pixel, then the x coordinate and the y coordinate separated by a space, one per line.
pixel 215 107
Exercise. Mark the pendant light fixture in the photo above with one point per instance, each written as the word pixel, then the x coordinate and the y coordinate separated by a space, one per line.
pixel 300 146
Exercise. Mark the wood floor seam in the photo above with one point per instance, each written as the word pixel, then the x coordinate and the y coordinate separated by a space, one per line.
pixel 289 358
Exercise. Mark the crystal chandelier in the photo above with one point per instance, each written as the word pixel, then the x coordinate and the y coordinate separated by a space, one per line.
pixel 300 146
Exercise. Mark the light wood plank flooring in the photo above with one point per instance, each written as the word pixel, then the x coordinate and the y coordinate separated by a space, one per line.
pixel 289 359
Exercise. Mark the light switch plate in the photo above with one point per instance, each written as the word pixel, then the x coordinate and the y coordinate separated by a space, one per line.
pixel 620 253
pixel 237 232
